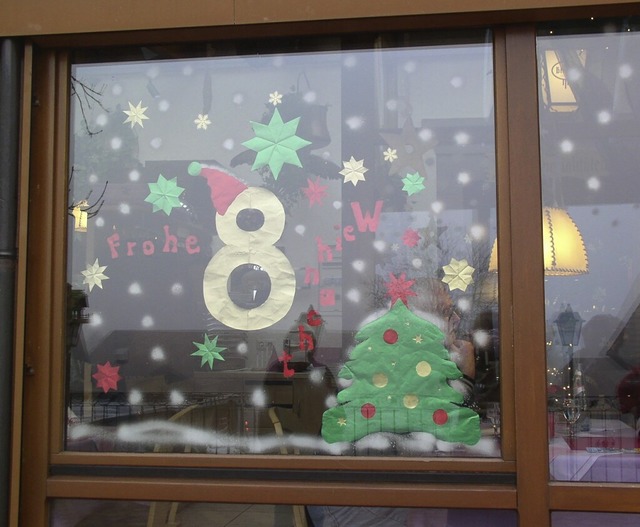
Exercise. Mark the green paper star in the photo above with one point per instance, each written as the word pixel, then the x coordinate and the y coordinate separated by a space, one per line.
pixel 276 144
pixel 413 183
pixel 209 351
pixel 163 194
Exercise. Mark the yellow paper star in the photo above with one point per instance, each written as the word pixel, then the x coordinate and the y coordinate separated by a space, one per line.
pixel 342 421
pixel 458 274
pixel 93 275
pixel 418 339
pixel 353 171
pixel 136 114
pixel 202 121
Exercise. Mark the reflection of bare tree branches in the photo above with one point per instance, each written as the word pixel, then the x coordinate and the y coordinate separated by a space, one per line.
pixel 91 210
pixel 86 96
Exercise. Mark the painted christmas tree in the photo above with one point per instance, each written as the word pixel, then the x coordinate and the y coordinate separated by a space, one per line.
pixel 400 371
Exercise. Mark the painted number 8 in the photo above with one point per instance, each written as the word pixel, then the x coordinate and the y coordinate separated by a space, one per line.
pixel 255 248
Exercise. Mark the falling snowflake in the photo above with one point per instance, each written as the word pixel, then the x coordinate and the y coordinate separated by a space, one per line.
pixel 176 397
pixel 399 288
pixel 208 351
pixel 275 98
pixel 458 274
pixel 259 398
pixel 163 194
pixel 276 143
pixel 413 183
pixel 390 154
pixel 135 397
pixel 94 274
pixel 353 295
pixel 135 114
pixel 202 122
pixel 353 171
pixel 107 376
pixel 410 238
pixel 315 192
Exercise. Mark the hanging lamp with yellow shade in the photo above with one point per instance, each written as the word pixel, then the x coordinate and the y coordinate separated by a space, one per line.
pixel 564 250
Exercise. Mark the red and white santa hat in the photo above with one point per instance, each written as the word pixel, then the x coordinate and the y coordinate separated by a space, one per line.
pixel 225 188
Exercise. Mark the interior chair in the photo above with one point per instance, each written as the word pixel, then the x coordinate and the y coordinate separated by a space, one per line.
pixel 220 416
pixel 299 511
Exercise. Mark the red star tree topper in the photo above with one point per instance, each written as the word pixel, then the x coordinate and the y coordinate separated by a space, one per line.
pixel 399 288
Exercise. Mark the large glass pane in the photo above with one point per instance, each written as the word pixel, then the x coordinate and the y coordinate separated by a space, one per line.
pixel 593 519
pixel 284 252
pixel 97 513
pixel 589 104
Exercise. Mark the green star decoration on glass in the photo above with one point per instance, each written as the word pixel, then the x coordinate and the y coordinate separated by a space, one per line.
pixel 163 194
pixel 208 351
pixel 413 183
pixel 276 143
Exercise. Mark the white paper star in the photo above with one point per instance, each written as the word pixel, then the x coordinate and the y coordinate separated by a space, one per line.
pixel 390 154
pixel 136 114
pixel 202 121
pixel 353 171
pixel 94 275
pixel 275 98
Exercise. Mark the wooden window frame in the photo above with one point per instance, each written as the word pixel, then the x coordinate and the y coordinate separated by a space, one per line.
pixel 522 326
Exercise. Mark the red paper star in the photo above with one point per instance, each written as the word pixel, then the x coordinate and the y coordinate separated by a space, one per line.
pixel 410 238
pixel 399 288
pixel 315 192
pixel 107 377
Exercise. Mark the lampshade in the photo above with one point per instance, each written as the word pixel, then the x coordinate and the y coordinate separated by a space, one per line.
pixel 564 250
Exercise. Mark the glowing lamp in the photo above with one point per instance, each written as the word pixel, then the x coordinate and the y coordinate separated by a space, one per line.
pixel 563 246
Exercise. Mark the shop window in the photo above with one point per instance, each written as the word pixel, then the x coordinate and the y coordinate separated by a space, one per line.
pixel 560 519
pixel 591 196
pixel 98 513
pixel 284 252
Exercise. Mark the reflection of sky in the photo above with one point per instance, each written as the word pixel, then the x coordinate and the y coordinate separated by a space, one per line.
pixel 611 286
pixel 448 89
